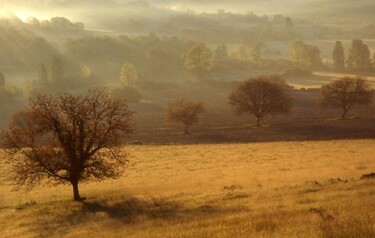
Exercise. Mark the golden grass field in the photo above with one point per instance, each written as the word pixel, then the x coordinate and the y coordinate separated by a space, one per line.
pixel 280 189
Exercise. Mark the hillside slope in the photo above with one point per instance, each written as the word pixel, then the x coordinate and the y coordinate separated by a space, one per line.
pixel 258 190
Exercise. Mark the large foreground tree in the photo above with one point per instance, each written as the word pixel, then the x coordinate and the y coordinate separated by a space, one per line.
pixel 261 96
pixel 345 93
pixel 67 139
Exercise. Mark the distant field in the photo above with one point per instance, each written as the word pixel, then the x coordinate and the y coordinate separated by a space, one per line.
pixel 280 189
pixel 319 78
pixel 333 76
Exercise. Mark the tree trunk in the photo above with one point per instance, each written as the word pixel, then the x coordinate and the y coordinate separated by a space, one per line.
pixel 76 195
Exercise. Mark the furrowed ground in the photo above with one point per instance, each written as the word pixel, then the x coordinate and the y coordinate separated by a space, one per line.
pixel 279 189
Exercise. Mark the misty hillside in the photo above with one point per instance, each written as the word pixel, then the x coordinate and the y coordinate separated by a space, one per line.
pixel 22 49
pixel 142 13
pixel 241 38
pixel 218 118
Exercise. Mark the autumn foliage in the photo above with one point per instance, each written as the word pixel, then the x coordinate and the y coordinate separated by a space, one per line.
pixel 185 112
pixel 67 139
pixel 261 96
pixel 346 93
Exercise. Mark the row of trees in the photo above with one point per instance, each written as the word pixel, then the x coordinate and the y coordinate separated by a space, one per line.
pixel 70 139
pixel 358 57
pixel 59 75
pixel 200 60
pixel 306 55
pixel 58 23
pixel 270 95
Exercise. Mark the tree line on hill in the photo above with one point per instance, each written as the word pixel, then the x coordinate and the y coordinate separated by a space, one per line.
pixel 358 59
pixel 97 60
pixel 179 57
pixel 57 23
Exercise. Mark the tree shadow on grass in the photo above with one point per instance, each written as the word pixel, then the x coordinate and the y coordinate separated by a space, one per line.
pixel 129 210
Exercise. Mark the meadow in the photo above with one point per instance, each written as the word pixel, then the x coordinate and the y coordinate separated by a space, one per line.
pixel 275 189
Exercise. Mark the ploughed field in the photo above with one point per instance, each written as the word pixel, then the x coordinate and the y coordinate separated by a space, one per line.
pixel 277 189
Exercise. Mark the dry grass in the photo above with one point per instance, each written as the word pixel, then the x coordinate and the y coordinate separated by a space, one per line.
pixel 282 189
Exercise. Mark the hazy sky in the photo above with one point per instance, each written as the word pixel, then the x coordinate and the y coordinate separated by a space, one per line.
pixel 51 7
pixel 85 10
pixel 260 6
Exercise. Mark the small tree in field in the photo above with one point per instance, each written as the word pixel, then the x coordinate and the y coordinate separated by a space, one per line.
pixel 261 96
pixel 67 139
pixel 185 112
pixel 346 93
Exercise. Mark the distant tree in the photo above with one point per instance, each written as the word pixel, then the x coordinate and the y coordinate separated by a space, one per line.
pixel 128 75
pixel 261 96
pixel 85 72
pixel 221 54
pixel 128 80
pixel 185 112
pixel 57 70
pixel 199 61
pixel 306 55
pixel 243 54
pixel 44 24
pixel 297 51
pixel 359 56
pixel 10 88
pixel 220 12
pixel 33 21
pixel 278 19
pixel 61 23
pixel 42 74
pixel 67 139
pixel 338 56
pixel 345 93
pixel 313 57
pixel 2 80
pixel 289 25
pixel 28 87
pixel 256 52
pixel 79 26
